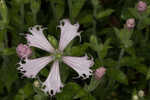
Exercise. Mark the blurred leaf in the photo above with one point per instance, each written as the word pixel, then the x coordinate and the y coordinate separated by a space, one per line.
pixel 35 6
pixel 8 72
pixel 144 22
pixel 75 7
pixel 39 97
pixel 134 12
pixel 58 8
pixel 79 50
pixel 85 18
pixel 110 62
pixel 64 72
pixel 93 85
pixel 81 93
pixel 118 75
pixel 135 63
pixel 95 3
pixel 104 48
pixel 88 97
pixel 94 43
pixel 3 11
pixel 28 90
pixel 44 72
pixel 124 35
pixel 148 74
pixel 8 51
pixel 19 97
pixel 105 13
pixel 69 91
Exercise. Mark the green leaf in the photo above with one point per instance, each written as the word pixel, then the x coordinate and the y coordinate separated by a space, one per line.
pixel 110 62
pixel 134 12
pixel 135 63
pixel 44 72
pixel 95 3
pixel 144 22
pixel 35 6
pixel 117 75
pixel 64 72
pixel 148 74
pixel 75 7
pixel 39 97
pixel 105 13
pixel 8 51
pixel 8 71
pixel 94 43
pixel 88 97
pixel 53 41
pixel 85 18
pixel 81 93
pixel 26 89
pixel 104 48
pixel 69 91
pixel 124 36
pixel 93 85
pixel 58 8
pixel 19 97
pixel 3 10
pixel 79 50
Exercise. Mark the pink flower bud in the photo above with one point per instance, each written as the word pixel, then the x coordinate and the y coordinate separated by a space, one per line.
pixel 99 73
pixel 130 23
pixel 23 51
pixel 141 6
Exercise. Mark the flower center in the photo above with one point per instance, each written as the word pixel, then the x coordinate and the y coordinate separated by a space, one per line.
pixel 58 54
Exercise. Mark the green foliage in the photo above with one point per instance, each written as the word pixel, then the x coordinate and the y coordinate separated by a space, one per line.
pixel 124 35
pixel 75 7
pixel 117 75
pixel 58 8
pixel 124 53
pixel 103 14
pixel 53 41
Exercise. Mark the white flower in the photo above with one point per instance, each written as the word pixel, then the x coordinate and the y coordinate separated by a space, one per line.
pixel 53 82
pixel 31 67
pixel 37 39
pixel 77 64
pixel 68 32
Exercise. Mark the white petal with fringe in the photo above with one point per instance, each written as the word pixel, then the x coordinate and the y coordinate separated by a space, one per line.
pixel 37 39
pixel 68 32
pixel 31 67
pixel 53 83
pixel 80 64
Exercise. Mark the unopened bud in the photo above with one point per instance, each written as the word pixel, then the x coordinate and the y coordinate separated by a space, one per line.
pixel 141 6
pixel 36 83
pixel 130 23
pixel 23 51
pixel 99 73
pixel 135 97
pixel 141 93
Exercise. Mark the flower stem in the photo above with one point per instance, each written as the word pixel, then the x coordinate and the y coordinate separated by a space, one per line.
pixel 120 57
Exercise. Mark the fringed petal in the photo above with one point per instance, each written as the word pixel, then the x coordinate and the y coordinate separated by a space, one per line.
pixel 68 33
pixel 80 64
pixel 37 39
pixel 53 83
pixel 31 67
